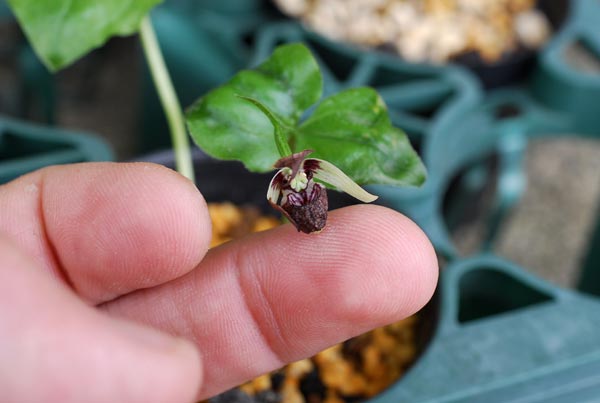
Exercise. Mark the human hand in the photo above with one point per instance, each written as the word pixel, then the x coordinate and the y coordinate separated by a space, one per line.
pixel 95 257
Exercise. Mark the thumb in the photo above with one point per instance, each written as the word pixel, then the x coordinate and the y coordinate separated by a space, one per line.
pixel 57 349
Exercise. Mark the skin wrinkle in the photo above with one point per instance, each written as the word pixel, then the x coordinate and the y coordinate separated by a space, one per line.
pixel 261 311
pixel 236 263
pixel 92 235
pixel 52 252
pixel 42 250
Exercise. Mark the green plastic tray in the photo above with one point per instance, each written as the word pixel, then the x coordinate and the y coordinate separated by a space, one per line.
pixel 505 336
pixel 25 147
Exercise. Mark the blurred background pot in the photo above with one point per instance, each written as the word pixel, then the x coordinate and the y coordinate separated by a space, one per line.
pixel 25 147
pixel 498 41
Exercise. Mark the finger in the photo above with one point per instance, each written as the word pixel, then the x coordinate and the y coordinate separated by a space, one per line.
pixel 278 296
pixel 108 228
pixel 57 349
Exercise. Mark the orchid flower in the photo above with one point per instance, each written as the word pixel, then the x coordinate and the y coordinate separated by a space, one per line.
pixel 294 192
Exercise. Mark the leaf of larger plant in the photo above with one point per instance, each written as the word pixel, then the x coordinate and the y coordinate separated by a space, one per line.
pixel 352 130
pixel 228 127
pixel 61 31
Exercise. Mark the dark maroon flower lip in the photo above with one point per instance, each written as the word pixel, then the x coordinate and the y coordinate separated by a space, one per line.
pixel 303 201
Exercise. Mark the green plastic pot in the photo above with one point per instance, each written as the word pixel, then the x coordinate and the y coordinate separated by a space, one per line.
pixel 562 86
pixel 25 147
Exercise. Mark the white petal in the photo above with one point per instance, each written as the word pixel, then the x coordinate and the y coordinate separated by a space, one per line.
pixel 274 190
pixel 329 173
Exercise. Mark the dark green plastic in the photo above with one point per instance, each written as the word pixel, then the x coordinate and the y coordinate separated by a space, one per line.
pixel 589 280
pixel 223 7
pixel 36 92
pixel 505 336
pixel 5 13
pixel 558 84
pixel 463 141
pixel 25 147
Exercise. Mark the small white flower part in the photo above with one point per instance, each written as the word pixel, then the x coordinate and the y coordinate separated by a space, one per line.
pixel 303 201
pixel 299 182
pixel 329 173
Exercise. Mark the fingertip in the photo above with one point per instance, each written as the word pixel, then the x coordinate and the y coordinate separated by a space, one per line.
pixel 410 248
pixel 369 267
pixel 399 265
pixel 406 258
pixel 179 219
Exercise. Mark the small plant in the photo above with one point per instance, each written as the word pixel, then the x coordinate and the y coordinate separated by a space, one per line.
pixel 260 117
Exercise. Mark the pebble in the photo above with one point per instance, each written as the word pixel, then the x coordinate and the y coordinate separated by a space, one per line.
pixel 433 31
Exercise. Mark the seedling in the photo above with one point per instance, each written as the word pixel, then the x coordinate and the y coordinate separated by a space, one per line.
pixel 261 117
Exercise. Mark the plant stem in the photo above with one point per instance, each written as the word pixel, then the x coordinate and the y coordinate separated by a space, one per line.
pixel 279 132
pixel 281 141
pixel 168 99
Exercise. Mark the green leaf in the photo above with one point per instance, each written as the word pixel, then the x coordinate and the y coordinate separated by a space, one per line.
pixel 353 131
pixel 228 127
pixel 63 31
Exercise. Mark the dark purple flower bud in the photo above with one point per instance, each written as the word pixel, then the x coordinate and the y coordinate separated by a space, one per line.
pixel 308 209
pixel 303 201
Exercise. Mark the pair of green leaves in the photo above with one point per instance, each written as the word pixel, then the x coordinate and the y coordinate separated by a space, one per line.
pixel 351 129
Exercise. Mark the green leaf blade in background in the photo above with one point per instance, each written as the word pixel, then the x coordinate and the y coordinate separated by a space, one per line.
pixel 63 31
pixel 228 127
pixel 352 130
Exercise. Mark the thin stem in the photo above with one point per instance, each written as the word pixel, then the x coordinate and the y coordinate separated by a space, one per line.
pixel 168 99
pixel 280 140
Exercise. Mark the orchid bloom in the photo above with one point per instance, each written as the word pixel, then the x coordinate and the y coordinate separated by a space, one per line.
pixel 303 201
